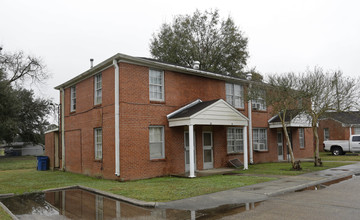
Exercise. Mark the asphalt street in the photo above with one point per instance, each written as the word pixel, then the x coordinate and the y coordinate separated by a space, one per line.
pixel 337 201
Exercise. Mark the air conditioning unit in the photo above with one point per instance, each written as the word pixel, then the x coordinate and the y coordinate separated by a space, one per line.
pixel 259 146
pixel 256 106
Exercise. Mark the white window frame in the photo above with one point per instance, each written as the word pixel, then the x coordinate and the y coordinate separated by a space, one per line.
pixel 235 144
pixel 326 134
pixel 98 143
pixel 72 98
pixel 153 85
pixel 236 100
pixel 356 130
pixel 161 141
pixel 302 138
pixel 259 103
pixel 260 143
pixel 98 89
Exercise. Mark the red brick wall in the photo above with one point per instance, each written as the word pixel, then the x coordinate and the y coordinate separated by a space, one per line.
pixel 50 148
pixel 137 113
pixel 336 131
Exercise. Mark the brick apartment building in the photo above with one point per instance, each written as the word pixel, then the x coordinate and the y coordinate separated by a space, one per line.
pixel 134 118
pixel 338 126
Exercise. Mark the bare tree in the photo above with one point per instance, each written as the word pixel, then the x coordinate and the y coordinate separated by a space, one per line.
pixel 327 91
pixel 20 67
pixel 281 96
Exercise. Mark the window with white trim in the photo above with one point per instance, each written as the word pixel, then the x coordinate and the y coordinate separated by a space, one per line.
pixel 301 137
pixel 98 143
pixel 235 95
pixel 235 140
pixel 326 134
pixel 98 89
pixel 259 103
pixel 73 98
pixel 156 142
pixel 156 85
pixel 260 139
pixel 356 130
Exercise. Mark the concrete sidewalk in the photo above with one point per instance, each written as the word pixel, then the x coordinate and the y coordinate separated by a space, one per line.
pixel 262 191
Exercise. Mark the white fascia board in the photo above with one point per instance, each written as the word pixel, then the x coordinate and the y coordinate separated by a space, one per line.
pixel 224 102
pixel 218 122
pixel 149 63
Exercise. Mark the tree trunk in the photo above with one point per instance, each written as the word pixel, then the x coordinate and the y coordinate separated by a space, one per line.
pixel 317 159
pixel 295 166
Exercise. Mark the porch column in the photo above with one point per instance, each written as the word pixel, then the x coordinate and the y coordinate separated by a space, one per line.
pixel 245 138
pixel 191 151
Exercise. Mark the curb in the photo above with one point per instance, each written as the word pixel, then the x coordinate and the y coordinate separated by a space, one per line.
pixel 107 194
pixel 309 184
pixel 121 198
pixel 6 195
pixel 8 211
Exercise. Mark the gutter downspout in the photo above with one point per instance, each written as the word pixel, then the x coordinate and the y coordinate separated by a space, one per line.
pixel 117 119
pixel 62 129
pixel 248 77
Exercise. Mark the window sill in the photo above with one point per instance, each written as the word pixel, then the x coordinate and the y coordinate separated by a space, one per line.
pixel 157 102
pixel 158 160
pixel 261 151
pixel 98 160
pixel 97 105
pixel 235 153
pixel 72 112
pixel 302 148
pixel 260 111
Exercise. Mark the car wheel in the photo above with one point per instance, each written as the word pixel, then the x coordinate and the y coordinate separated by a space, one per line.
pixel 336 151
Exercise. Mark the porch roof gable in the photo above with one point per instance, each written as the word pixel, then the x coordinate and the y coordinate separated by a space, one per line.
pixel 214 112
pixel 293 119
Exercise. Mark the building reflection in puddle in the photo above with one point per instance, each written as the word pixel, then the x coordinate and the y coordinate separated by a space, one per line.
pixel 81 204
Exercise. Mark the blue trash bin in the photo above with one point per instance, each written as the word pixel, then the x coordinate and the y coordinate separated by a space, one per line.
pixel 42 163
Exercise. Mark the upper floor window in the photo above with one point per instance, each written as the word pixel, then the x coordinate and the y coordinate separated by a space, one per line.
pixel 156 85
pixel 98 143
pixel 73 98
pixel 235 140
pixel 260 139
pixel 326 134
pixel 301 137
pixel 235 95
pixel 356 130
pixel 259 103
pixel 98 89
pixel 156 142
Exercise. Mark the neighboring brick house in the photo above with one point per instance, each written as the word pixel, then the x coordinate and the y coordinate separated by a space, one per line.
pixel 133 118
pixel 338 126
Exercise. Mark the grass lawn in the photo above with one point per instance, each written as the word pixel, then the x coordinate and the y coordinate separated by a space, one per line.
pixel 285 168
pixel 4 215
pixel 327 156
pixel 163 189
pixel 15 163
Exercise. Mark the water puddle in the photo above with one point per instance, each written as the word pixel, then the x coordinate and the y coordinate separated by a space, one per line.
pixel 81 204
pixel 326 184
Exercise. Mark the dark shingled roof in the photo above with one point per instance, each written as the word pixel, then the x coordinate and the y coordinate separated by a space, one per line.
pixel 349 118
pixel 290 114
pixel 193 109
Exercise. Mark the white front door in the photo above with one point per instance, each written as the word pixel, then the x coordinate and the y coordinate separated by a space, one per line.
pixel 187 155
pixel 208 150
pixel 280 146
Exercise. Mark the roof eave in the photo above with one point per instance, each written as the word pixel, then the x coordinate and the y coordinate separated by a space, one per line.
pixel 154 64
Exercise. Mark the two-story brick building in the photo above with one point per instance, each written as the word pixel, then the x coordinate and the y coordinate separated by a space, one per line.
pixel 132 118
